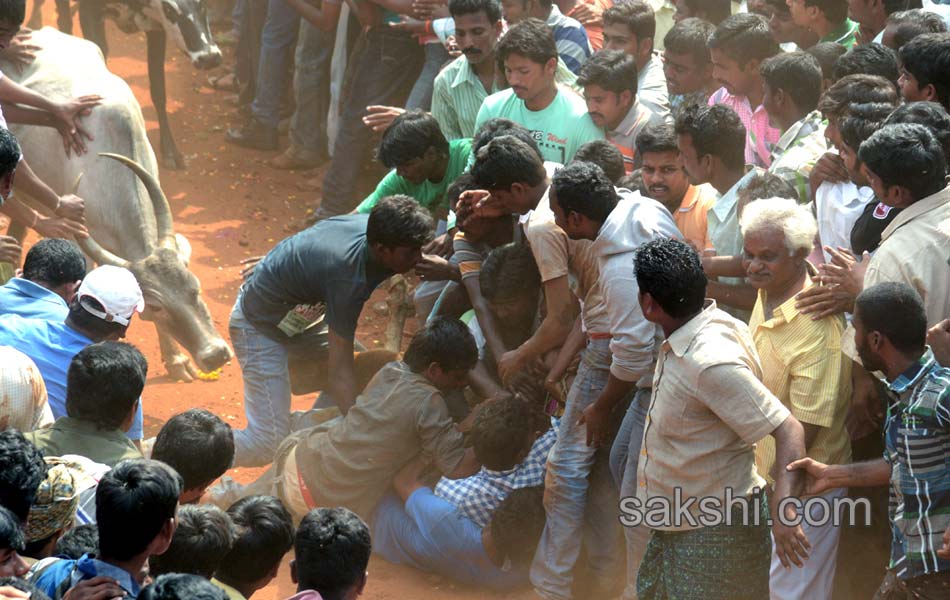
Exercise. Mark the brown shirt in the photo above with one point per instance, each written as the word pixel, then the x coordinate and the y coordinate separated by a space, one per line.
pixel 351 462
pixel 708 410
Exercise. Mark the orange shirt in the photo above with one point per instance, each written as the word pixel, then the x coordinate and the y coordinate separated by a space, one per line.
pixel 691 216
pixel 595 31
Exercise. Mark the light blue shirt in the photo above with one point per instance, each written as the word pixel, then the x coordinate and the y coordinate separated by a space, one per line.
pixel 23 297
pixel 52 346
pixel 54 571
pixel 428 533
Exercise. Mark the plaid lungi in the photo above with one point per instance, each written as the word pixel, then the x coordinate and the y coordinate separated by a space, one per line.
pixel 727 562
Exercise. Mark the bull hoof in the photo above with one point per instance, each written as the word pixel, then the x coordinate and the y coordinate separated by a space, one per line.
pixel 174 161
pixel 181 370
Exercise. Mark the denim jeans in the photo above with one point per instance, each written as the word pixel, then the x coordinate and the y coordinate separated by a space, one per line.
pixel 624 456
pixel 266 392
pixel 421 94
pixel 249 20
pixel 277 38
pixel 386 66
pixel 308 126
pixel 575 472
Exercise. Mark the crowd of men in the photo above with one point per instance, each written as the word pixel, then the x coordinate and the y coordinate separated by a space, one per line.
pixel 683 286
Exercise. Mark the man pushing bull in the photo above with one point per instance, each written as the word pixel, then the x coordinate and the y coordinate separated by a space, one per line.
pixel 304 299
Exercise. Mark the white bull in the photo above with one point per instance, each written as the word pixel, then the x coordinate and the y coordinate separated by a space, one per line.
pixel 128 216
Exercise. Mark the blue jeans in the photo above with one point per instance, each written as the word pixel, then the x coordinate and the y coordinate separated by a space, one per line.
pixel 387 65
pixel 266 392
pixel 624 455
pixel 575 473
pixel 421 94
pixel 277 38
pixel 308 126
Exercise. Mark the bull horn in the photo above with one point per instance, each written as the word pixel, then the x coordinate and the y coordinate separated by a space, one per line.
pixel 99 254
pixel 163 212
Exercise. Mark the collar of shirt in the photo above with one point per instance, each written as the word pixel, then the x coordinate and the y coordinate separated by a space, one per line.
pixel 690 198
pixel 647 71
pixel 635 116
pixel 555 17
pixel 34 290
pixel 89 565
pixel 913 373
pixel 727 201
pixel 808 125
pixel 841 32
pixel 73 424
pixel 785 312
pixel 916 210
pixel 681 339
pixel 465 74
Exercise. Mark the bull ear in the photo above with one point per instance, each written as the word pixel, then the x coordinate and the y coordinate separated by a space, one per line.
pixel 184 248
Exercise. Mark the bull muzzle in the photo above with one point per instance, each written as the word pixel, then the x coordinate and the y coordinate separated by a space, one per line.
pixel 213 356
pixel 208 59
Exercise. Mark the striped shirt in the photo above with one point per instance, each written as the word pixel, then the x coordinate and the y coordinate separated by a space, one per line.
pixel 571 39
pixel 803 366
pixel 797 151
pixel 624 137
pixel 478 496
pixel 917 440
pixel 760 136
pixel 458 93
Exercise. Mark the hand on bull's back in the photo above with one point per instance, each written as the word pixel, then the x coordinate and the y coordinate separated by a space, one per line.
pixel 69 122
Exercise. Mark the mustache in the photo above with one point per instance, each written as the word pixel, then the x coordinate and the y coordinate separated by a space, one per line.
pixel 468 51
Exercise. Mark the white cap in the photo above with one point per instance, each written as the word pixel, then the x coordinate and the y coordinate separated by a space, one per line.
pixel 116 289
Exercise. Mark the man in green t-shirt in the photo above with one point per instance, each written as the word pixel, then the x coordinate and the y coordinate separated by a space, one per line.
pixel 556 116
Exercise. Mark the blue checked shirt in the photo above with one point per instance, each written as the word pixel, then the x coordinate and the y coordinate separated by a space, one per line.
pixel 478 496
pixel 917 438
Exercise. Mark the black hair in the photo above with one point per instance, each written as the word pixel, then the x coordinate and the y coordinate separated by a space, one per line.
pixel 827 54
pixel 24 586
pixel 82 539
pixel 856 89
pixel 583 188
pixel 500 433
pixel 906 155
pixel 10 153
pixel 22 469
pixel 444 341
pixel 744 37
pixel 893 6
pixel 133 502
pixel 94 327
pixel 399 222
pixel 927 58
pixel 767 185
pixel 196 443
pixel 408 137
pixel 690 36
pixel 612 70
pixel 715 130
pixel 633 181
pixel 861 120
pixel 499 126
pixel 656 137
pixel 714 11
pixel 909 24
pixel 931 115
pixel 636 15
pixel 509 271
pixel 517 523
pixel 530 38
pixel 605 155
pixel 671 272
pixel 798 74
pixel 182 586
pixel 835 11
pixel 54 262
pixel 896 310
pixel 264 534
pixel 782 7
pixel 11 531
pixel 868 59
pixel 505 161
pixel 491 8
pixel 13 11
pixel 462 183
pixel 203 538
pixel 332 550
pixel 104 382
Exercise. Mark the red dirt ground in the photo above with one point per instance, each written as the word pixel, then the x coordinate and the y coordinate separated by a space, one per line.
pixel 230 205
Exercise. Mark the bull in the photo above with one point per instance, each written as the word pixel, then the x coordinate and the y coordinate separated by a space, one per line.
pixel 128 215
pixel 185 21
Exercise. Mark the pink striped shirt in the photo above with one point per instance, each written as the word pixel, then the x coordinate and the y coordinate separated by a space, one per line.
pixel 760 136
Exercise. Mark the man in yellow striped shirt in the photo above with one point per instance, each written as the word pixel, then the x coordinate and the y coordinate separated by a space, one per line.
pixel 803 366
